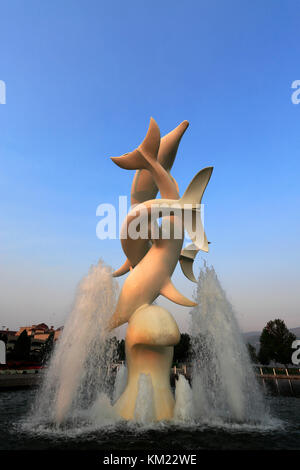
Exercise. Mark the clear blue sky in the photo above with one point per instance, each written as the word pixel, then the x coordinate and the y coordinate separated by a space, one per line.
pixel 83 78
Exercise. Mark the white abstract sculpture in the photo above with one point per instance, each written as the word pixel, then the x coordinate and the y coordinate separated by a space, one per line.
pixel 152 331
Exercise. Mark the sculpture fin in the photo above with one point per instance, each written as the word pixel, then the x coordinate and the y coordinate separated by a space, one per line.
pixel 142 157
pixel 195 190
pixel 169 145
pixel 193 196
pixel 170 292
pixel 123 269
pixel 186 259
pixel 150 145
pixel 186 265
pixel 166 156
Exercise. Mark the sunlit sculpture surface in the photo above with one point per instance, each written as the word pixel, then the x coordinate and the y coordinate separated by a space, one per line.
pixel 151 259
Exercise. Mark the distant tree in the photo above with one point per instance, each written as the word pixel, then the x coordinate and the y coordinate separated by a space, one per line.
pixel 22 347
pixel 182 349
pixel 121 350
pixel 275 343
pixel 47 348
pixel 252 353
pixel 264 355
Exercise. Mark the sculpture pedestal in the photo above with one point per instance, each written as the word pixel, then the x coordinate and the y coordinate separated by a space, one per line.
pixel 151 334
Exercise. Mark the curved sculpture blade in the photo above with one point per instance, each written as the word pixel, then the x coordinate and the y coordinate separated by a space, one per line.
pixel 125 268
pixel 186 260
pixel 191 198
pixel 170 292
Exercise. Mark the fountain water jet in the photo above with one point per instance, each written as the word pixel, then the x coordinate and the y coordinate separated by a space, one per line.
pixel 80 367
pixel 224 385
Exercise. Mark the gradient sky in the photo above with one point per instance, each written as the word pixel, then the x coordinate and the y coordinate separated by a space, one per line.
pixel 83 78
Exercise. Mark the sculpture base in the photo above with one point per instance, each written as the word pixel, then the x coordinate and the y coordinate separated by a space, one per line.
pixel 151 334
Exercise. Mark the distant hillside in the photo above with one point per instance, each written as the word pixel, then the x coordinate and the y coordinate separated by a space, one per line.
pixel 252 337
pixel 296 331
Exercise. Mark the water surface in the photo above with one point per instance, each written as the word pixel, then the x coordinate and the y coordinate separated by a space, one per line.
pixel 19 431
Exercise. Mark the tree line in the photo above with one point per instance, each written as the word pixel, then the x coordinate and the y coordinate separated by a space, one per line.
pixel 275 345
